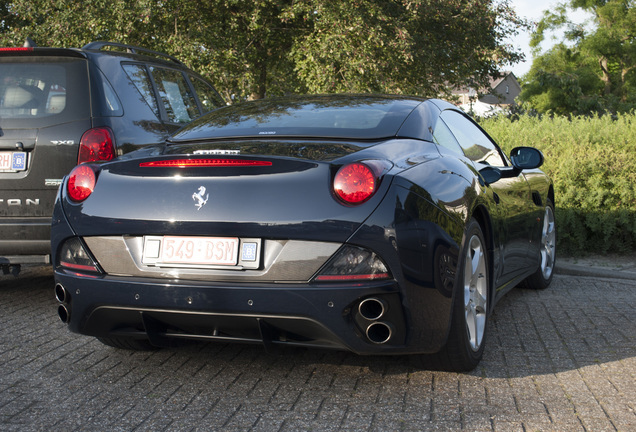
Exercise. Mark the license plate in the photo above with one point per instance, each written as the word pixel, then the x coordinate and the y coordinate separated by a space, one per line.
pixel 232 253
pixel 194 250
pixel 13 161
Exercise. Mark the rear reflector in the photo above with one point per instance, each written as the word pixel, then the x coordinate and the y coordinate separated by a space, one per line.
pixel 201 163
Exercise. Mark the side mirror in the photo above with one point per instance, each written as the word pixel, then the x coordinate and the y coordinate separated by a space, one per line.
pixel 490 174
pixel 526 158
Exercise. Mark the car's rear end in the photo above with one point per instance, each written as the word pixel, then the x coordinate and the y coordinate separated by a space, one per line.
pixel 276 223
pixel 248 248
pixel 45 112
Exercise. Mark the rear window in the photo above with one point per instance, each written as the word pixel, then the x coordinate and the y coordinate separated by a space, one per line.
pixel 42 89
pixel 341 116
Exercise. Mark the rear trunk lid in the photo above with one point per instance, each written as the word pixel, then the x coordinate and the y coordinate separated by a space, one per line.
pixel 254 196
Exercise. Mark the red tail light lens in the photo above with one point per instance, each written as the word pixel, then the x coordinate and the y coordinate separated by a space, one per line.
pixel 97 144
pixel 355 183
pixel 81 182
pixel 16 49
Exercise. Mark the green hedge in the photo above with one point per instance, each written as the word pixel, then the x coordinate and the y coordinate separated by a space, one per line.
pixel 592 162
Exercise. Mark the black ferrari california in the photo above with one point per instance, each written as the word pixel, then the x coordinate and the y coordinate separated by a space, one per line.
pixel 375 224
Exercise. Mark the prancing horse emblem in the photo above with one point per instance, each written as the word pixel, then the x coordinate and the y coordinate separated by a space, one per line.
pixel 198 197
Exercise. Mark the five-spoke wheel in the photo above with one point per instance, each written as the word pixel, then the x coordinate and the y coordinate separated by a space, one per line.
pixel 475 291
pixel 548 243
pixel 543 276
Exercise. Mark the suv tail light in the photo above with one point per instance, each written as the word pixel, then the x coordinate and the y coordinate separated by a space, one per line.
pixel 81 182
pixel 97 144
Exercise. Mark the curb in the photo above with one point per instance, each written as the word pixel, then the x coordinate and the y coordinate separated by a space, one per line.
pixel 578 270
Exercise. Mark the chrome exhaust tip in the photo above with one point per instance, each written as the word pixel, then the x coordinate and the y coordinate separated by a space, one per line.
pixel 64 314
pixel 379 332
pixel 60 293
pixel 372 308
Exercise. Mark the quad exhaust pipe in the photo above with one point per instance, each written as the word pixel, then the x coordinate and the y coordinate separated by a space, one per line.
pixel 62 296
pixel 64 314
pixel 373 309
pixel 379 332
pixel 60 293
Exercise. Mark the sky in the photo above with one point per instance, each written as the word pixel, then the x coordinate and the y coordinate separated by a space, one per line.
pixel 533 10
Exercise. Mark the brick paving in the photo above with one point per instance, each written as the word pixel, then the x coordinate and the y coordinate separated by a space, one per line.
pixel 563 359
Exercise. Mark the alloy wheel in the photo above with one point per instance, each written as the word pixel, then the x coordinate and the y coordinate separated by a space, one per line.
pixel 475 292
pixel 548 243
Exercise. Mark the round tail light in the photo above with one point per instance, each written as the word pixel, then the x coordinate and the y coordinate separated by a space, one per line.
pixel 355 183
pixel 81 182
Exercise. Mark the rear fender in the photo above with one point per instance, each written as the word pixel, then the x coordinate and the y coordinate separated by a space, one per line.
pixel 419 242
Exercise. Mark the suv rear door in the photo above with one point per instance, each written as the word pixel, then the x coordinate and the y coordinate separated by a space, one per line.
pixel 61 106
pixel 44 109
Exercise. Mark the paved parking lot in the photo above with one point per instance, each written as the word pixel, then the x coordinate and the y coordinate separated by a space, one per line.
pixel 557 360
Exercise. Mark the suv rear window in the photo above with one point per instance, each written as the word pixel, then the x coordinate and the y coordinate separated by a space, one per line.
pixel 44 89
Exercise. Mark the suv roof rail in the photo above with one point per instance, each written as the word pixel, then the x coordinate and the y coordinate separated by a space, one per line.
pixel 98 45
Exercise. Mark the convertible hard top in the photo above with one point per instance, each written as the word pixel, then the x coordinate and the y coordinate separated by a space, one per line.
pixel 330 116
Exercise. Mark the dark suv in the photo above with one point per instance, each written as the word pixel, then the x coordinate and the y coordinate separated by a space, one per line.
pixel 60 107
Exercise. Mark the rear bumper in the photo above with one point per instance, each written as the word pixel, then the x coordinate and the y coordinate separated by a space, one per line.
pixel 327 316
pixel 25 240
pixel 24 259
pixel 166 305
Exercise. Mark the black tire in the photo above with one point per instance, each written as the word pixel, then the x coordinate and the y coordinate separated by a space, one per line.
pixel 465 345
pixel 542 278
pixel 128 343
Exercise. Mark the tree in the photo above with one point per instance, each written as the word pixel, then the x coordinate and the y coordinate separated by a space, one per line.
pixel 562 82
pixel 417 47
pixel 272 47
pixel 596 71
